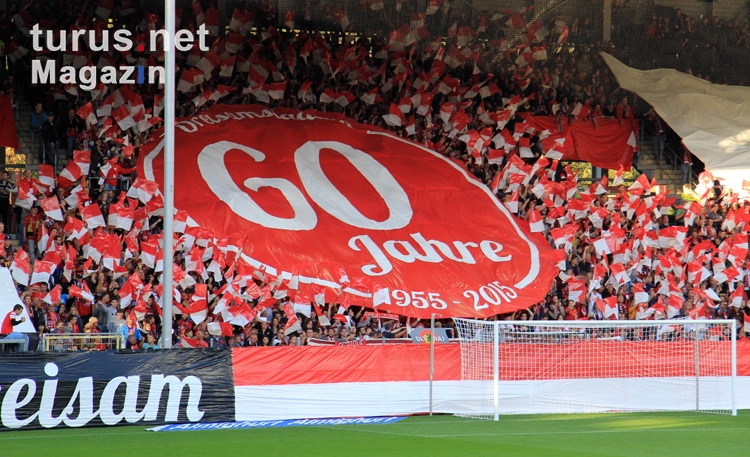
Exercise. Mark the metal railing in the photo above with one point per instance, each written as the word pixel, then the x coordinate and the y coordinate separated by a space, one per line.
pixel 670 156
pixel 83 342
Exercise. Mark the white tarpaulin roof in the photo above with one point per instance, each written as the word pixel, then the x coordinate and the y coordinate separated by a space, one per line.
pixel 712 119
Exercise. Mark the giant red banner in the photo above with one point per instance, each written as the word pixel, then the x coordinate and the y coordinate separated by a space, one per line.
pixel 354 209
pixel 8 134
pixel 606 144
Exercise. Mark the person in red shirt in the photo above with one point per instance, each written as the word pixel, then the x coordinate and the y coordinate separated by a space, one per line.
pixel 31 224
pixel 73 322
pixel 111 174
pixel 200 339
pixel 11 320
pixel 52 317
pixel 623 111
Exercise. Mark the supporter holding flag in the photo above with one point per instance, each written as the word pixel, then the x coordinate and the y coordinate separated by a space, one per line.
pixel 32 225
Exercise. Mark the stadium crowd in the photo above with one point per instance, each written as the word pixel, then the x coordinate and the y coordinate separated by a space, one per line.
pixel 89 261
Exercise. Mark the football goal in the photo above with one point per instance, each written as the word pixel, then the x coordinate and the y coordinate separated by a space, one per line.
pixel 548 367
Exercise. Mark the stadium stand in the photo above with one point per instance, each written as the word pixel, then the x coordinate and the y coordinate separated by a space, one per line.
pixel 442 76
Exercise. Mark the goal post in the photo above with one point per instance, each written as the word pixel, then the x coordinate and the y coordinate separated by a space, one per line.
pixel 553 367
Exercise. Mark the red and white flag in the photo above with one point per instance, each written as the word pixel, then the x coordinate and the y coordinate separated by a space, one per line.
pixel 26 196
pixel 344 99
pixel 289 19
pixel 303 90
pixel 198 309
pixel 606 306
pixel 328 96
pixel 239 20
pixel 86 112
pixel 208 63
pixel 51 207
pixel 83 293
pixel 46 178
pixel 54 296
pixel 640 295
pixel 576 290
pixel 220 329
pixel 20 268
pixel 536 222
pixel 292 323
pixel 93 217
pixel 737 297
pixel 123 118
pixel 371 97
pixel 148 254
pixel 72 172
pixel 674 305
pixel 276 90
pixel 433 6
pixel 394 118
pixel 302 304
pixel 42 271
pixel 143 189
pixel 189 79
pixel 380 295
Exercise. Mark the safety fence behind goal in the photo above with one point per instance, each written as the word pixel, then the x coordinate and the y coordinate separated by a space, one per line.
pixel 83 342
pixel 529 367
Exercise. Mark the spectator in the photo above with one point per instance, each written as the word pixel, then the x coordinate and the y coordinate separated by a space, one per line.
pixel 32 223
pixel 38 120
pixel 200 339
pixel 100 311
pixel 655 129
pixel 133 343
pixel 151 343
pixel 70 128
pixel 687 165
pixel 391 330
pixel 7 187
pixel 10 321
pixel 51 141
pixel 116 324
pixel 623 111
pixel 130 332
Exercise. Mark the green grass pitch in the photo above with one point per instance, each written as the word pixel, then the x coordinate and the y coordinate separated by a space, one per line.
pixel 642 435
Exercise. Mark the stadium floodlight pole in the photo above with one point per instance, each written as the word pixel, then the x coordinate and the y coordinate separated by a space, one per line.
pixel 169 119
pixel 432 355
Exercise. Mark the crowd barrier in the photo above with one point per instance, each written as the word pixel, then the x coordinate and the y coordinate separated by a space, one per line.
pixel 83 342
pixel 50 390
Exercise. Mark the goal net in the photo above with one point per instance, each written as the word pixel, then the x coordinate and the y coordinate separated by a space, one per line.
pixel 548 367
